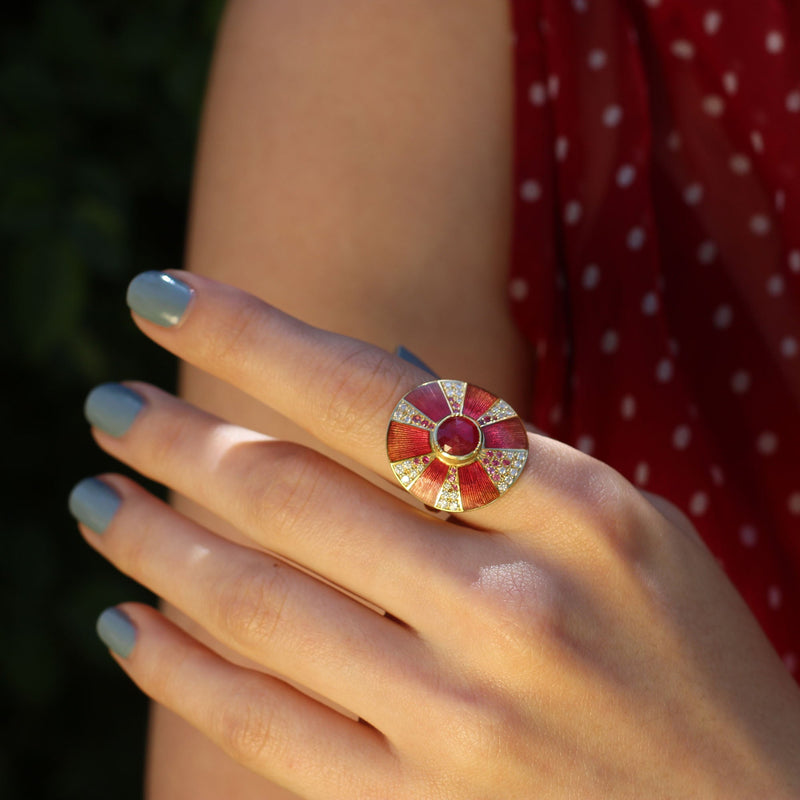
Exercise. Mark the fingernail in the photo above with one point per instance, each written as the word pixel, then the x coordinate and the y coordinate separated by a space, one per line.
pixel 407 355
pixel 159 297
pixel 116 631
pixel 94 503
pixel 112 407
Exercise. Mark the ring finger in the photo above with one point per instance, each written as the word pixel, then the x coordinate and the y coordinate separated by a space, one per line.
pixel 265 610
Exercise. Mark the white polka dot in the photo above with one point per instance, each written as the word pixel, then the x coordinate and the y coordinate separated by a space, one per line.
pixel 537 94
pixel 612 116
pixel 674 141
pixel 730 82
pixel 581 6
pixel 698 505
pixel 597 58
pixel 717 475
pixel 636 238
pixel 642 473
pixel 780 200
pixel 789 347
pixel 794 503
pixel 791 662
pixel 760 224
pixel 776 285
pixel 652 3
pixel 767 443
pixel 740 381
pixel 573 212
pixel 586 445
pixel 774 597
pixel 665 370
pixel 553 86
pixel 610 342
pixel 682 48
pixel 793 102
pixel 626 175
pixel 748 535
pixel 723 317
pixel 591 276
pixel 707 252
pixel 714 105
pixel 712 22
pixel 775 42
pixel 757 140
pixel 628 407
pixel 530 191
pixel 693 194
pixel 650 304
pixel 681 437
pixel 562 148
pixel 740 164
pixel 518 289
pixel 794 261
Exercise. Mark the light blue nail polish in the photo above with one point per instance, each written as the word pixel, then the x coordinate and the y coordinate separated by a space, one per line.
pixel 112 407
pixel 94 503
pixel 159 297
pixel 116 631
pixel 407 355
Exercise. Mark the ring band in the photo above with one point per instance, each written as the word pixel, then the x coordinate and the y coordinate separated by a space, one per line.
pixel 455 446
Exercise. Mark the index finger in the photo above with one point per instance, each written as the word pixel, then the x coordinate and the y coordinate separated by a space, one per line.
pixel 341 390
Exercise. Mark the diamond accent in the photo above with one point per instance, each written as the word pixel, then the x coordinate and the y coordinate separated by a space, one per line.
pixel 454 392
pixel 503 466
pixel 500 410
pixel 409 470
pixel 410 415
pixel 449 498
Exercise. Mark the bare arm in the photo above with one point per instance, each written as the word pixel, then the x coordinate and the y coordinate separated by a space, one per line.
pixel 354 170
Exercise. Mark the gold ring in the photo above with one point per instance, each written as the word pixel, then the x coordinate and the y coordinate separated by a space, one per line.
pixel 455 446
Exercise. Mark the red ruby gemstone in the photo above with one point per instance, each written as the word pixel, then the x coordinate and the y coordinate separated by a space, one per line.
pixel 458 436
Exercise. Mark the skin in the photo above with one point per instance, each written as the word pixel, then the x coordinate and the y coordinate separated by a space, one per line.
pixel 296 203
pixel 552 683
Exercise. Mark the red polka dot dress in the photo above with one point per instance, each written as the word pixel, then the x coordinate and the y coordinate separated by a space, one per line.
pixel 656 262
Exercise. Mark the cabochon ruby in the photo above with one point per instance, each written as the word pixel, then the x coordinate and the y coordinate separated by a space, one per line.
pixel 458 436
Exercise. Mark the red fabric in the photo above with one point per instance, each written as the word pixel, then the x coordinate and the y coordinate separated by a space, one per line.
pixel 656 262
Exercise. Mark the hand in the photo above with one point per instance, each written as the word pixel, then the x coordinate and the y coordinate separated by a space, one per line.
pixel 571 640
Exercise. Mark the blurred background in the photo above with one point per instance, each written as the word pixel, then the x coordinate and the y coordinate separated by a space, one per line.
pixel 99 106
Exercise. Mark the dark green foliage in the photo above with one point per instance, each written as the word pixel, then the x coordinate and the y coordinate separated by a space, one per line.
pixel 98 114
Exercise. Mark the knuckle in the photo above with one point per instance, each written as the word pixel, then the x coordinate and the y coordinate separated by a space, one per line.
pixel 358 390
pixel 246 728
pixel 232 339
pixel 251 605
pixel 609 510
pixel 285 485
pixel 168 440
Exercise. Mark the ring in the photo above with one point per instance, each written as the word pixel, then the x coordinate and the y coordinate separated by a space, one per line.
pixel 455 446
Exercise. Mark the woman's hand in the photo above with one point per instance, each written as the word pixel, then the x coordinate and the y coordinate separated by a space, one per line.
pixel 568 641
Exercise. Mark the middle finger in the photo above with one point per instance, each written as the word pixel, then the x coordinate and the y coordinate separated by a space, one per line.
pixel 289 500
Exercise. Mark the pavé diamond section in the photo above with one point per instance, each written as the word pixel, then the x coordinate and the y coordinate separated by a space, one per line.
pixel 455 446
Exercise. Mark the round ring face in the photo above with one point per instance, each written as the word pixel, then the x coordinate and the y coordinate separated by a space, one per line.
pixel 455 446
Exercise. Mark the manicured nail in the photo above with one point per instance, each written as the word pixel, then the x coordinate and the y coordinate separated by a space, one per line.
pixel 116 631
pixel 112 407
pixel 159 297
pixel 94 503
pixel 407 355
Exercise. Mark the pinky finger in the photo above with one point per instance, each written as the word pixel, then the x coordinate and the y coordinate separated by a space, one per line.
pixel 260 721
